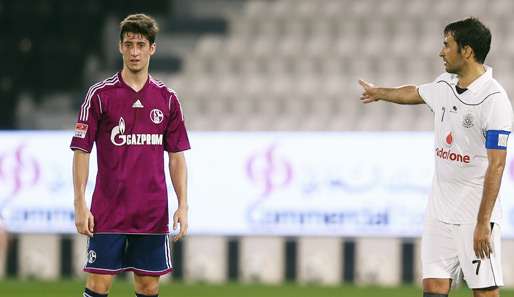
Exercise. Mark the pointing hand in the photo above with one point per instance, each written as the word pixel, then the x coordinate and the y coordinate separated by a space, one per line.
pixel 370 93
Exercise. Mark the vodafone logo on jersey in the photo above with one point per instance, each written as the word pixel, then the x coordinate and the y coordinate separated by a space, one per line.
pixel 449 139
pixel 447 154
pixel 119 138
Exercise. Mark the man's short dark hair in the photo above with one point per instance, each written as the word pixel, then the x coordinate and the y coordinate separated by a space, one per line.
pixel 473 33
pixel 140 24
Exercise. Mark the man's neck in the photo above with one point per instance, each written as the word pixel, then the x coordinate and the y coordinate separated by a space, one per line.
pixel 135 80
pixel 469 74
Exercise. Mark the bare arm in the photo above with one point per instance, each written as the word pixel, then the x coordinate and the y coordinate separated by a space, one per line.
pixel 84 221
pixel 492 182
pixel 178 173
pixel 400 95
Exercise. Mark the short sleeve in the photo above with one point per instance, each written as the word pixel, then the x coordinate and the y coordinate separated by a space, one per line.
pixel 87 123
pixel 176 138
pixel 499 114
pixel 430 92
pixel 497 122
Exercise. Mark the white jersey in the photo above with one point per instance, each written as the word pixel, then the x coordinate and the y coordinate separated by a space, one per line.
pixel 461 123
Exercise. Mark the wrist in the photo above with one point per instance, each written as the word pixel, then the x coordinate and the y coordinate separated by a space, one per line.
pixel 482 221
pixel 80 203
pixel 381 93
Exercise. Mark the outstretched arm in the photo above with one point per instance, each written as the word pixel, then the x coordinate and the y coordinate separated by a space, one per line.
pixel 84 221
pixel 178 173
pixel 400 95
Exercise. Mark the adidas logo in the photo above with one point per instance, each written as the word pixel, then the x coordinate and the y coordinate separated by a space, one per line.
pixel 137 104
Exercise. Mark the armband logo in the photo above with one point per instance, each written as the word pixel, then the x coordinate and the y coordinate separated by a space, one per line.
pixel 503 140
pixel 80 130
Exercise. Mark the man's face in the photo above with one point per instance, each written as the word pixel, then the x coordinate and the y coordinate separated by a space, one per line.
pixel 136 51
pixel 451 54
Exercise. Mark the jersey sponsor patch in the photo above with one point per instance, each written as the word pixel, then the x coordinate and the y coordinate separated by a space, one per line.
pixel 497 139
pixel 80 130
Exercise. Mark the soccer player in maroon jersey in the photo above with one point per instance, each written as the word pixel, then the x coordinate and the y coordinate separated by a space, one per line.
pixel 133 119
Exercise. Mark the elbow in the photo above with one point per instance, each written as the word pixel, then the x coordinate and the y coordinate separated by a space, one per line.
pixel 177 161
pixel 174 162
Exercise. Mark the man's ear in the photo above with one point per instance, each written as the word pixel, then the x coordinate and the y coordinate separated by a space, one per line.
pixel 119 48
pixel 153 47
pixel 468 52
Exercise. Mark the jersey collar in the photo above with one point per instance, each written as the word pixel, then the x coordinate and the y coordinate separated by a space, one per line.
pixel 477 85
pixel 123 84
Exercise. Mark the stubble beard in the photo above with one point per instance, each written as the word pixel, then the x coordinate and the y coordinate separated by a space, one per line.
pixel 451 69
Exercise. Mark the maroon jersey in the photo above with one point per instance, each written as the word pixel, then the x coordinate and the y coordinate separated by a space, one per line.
pixel 131 130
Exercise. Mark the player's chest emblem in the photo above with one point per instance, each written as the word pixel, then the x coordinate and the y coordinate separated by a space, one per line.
pixel 468 120
pixel 156 116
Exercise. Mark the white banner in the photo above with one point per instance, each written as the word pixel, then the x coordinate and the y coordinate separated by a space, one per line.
pixel 328 184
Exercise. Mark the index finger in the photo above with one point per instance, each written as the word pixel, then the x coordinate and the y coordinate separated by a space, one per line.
pixel 182 232
pixel 183 229
pixel 85 231
pixel 91 225
pixel 488 249
pixel 484 250
pixel 177 236
pixel 175 222
pixel 364 84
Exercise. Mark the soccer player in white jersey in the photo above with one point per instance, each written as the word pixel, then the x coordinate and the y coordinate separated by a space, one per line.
pixel 472 122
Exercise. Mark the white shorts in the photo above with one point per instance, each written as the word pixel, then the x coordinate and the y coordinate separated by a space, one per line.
pixel 447 250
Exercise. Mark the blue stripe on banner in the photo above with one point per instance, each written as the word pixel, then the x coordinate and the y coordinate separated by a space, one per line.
pixel 496 139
